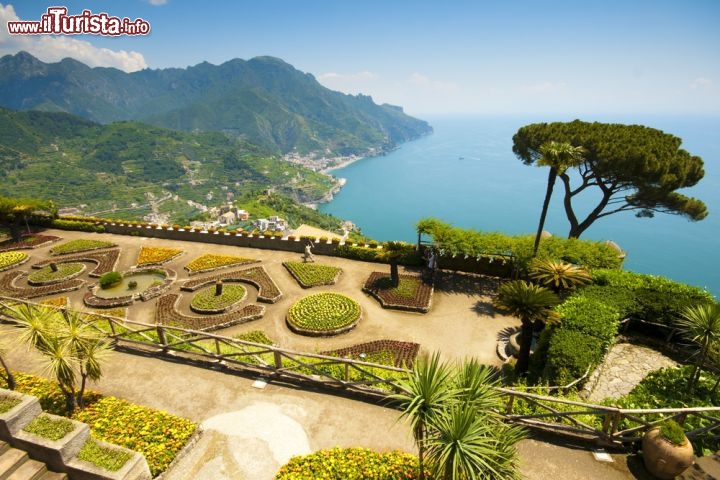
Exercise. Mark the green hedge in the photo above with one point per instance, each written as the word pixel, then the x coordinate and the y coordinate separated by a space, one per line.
pixel 77 226
pixel 569 355
pixel 591 317
pixel 649 297
pixel 459 241
pixel 587 328
pixel 409 255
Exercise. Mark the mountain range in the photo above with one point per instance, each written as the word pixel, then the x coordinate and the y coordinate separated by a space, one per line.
pixel 263 100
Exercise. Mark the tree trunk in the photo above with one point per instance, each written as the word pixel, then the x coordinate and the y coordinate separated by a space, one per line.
pixel 394 275
pixel 9 377
pixel 526 336
pixel 420 438
pixel 218 288
pixel 53 266
pixel 552 175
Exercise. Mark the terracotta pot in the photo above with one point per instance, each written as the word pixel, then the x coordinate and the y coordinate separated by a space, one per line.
pixel 664 459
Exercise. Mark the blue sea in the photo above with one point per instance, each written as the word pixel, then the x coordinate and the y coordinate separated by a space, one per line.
pixel 466 174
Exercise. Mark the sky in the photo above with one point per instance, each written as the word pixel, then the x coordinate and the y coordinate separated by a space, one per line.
pixel 574 57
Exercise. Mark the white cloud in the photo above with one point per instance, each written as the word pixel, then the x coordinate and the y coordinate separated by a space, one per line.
pixel 701 82
pixel 158 3
pixel 53 48
pixel 427 84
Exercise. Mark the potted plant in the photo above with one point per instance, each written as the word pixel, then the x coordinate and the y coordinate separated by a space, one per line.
pixel 666 450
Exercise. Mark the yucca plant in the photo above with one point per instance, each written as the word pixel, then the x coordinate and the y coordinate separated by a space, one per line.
pixel 701 325
pixel 558 276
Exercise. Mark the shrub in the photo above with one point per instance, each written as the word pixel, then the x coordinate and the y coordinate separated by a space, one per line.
pixel 76 226
pixel 591 317
pixel 206 301
pixel 655 299
pixel 570 354
pixel 407 255
pixel 673 432
pixel 110 278
pixel 312 274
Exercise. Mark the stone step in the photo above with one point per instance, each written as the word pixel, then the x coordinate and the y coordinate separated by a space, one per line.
pixel 704 468
pixel 29 470
pixel 10 461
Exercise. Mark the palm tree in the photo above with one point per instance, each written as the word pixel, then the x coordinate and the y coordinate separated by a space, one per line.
pixel 423 395
pixel 7 376
pixel 464 445
pixel 559 156
pixel 558 276
pixel 701 325
pixel 533 304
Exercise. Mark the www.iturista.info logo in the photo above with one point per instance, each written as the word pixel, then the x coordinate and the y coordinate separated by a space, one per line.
pixel 57 21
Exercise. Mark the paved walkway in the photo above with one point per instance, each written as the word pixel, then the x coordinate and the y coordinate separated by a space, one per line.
pixel 624 366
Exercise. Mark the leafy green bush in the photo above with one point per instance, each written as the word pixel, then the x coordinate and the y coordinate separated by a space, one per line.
pixel 351 464
pixel 77 226
pixel 673 432
pixel 407 255
pixel 458 241
pixel 655 299
pixel 110 278
pixel 590 317
pixel 570 354
pixel 8 403
pixel 667 388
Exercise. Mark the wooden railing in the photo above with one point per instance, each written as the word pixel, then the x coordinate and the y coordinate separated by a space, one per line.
pixel 597 423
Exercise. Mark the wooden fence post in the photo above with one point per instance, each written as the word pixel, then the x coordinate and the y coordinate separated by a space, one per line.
pixel 161 337
pixel 278 359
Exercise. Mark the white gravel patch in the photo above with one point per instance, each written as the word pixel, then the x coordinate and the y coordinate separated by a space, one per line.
pixel 284 436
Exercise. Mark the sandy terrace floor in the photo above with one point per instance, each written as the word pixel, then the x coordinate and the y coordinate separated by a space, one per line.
pixel 461 322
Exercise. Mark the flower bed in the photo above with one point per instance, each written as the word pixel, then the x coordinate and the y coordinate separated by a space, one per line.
pixel 8 288
pixel 210 262
pixel 80 245
pixel 323 314
pixel 46 275
pixel 167 314
pixel 157 255
pixel 402 354
pixel 105 261
pixel 313 275
pixel 157 435
pixel 351 464
pixel 267 290
pixel 412 294
pixel 28 241
pixel 12 259
pixel 206 301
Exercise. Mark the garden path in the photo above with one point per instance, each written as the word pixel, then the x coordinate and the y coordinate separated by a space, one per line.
pixel 624 366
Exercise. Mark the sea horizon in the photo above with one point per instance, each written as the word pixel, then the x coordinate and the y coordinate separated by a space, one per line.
pixel 466 174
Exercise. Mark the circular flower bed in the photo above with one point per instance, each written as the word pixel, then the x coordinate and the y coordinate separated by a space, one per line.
pixel 12 259
pixel 62 272
pixel 323 314
pixel 206 300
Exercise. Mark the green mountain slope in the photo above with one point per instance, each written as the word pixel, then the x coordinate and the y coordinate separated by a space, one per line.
pixel 263 100
pixel 129 169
